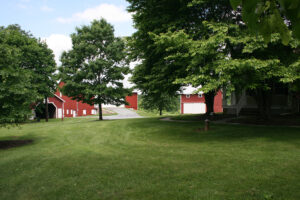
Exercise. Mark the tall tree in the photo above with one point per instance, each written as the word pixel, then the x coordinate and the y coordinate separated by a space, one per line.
pixel 201 57
pixel 24 60
pixel 155 75
pixel 95 67
pixel 42 63
pixel 234 59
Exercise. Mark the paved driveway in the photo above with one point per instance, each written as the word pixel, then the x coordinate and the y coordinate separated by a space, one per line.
pixel 123 113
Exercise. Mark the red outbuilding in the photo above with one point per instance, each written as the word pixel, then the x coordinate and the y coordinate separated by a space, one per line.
pixel 61 106
pixel 66 107
pixel 195 103
pixel 132 101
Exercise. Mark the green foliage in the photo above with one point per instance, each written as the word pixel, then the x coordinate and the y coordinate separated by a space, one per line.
pixel 231 57
pixel 214 50
pixel 26 73
pixel 268 16
pixel 155 75
pixel 161 103
pixel 45 79
pixel 95 67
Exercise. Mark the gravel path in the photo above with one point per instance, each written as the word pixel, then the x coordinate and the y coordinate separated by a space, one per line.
pixel 123 113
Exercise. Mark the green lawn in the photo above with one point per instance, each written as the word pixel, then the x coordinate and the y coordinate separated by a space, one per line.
pixel 155 113
pixel 149 159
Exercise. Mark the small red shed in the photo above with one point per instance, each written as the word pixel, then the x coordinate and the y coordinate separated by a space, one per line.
pixel 132 100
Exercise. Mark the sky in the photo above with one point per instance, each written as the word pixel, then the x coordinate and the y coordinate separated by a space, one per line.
pixel 54 20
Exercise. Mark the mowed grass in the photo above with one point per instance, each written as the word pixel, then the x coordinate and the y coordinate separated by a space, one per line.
pixel 149 159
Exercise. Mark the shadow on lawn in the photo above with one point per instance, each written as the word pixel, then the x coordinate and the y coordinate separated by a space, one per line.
pixel 10 142
pixel 7 144
pixel 189 132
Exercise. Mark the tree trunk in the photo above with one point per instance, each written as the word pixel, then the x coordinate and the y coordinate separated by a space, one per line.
pixel 100 112
pixel 209 101
pixel 160 112
pixel 264 102
pixel 46 109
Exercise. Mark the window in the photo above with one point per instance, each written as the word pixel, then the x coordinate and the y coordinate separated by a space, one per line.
pixel 187 96
pixel 67 111
pixel 71 112
pixel 200 95
pixel 60 94
pixel 84 112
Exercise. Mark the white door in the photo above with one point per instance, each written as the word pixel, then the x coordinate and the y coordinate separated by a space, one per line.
pixel 59 113
pixel 194 108
pixel 74 113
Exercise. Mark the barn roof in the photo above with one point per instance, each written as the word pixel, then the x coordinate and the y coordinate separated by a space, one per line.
pixel 59 98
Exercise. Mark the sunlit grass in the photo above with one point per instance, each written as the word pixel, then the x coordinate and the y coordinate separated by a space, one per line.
pixel 84 158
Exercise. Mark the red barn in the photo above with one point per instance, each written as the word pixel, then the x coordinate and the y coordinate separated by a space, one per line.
pixel 64 106
pixel 60 106
pixel 195 103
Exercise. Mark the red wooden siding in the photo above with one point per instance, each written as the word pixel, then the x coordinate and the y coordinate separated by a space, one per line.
pixel 218 103
pixel 194 98
pixel 73 105
pixel 132 101
pixel 56 101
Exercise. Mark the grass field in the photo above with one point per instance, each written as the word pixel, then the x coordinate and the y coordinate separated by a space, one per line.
pixel 155 113
pixel 149 159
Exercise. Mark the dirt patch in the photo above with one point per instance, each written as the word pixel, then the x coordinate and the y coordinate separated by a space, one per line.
pixel 7 144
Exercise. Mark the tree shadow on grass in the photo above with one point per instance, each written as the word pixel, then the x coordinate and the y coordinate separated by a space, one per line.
pixel 227 133
pixel 7 144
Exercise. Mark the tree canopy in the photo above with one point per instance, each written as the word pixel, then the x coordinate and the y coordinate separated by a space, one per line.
pixel 94 69
pixel 233 59
pixel 271 16
pixel 214 50
pixel 27 69
pixel 155 76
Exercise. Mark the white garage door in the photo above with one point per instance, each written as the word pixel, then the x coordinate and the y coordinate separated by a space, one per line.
pixel 194 108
